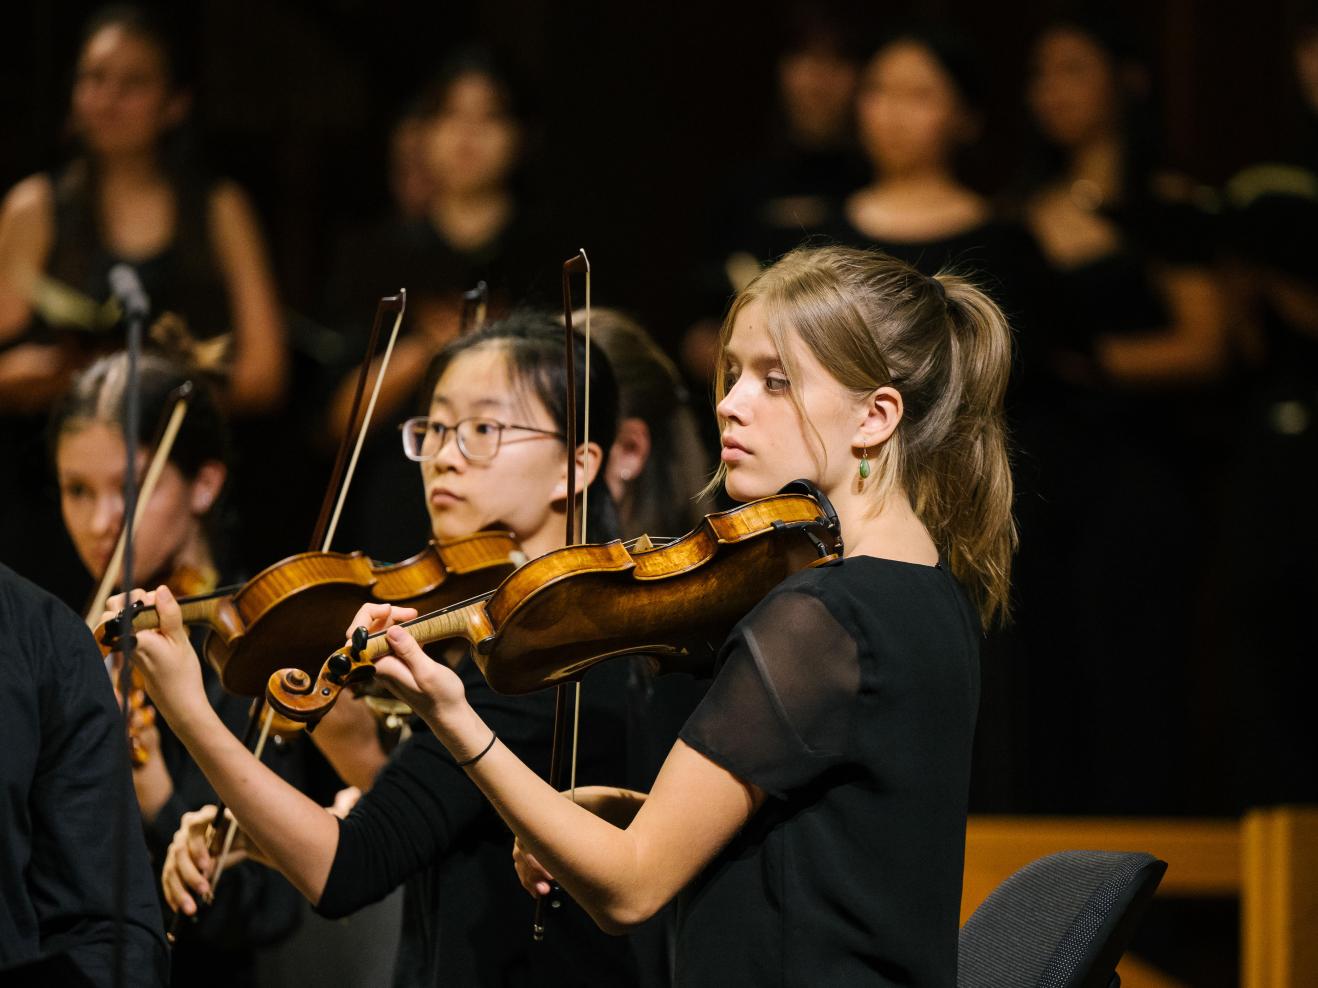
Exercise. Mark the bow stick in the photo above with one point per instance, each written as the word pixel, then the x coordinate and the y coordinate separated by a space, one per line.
pixel 579 263
pixel 224 832
pixel 475 306
pixel 164 445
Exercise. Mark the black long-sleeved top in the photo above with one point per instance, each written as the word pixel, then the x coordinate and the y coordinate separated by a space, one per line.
pixel 425 825
pixel 254 906
pixel 63 772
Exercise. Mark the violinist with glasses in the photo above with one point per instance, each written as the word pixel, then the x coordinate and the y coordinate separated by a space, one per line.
pixel 492 453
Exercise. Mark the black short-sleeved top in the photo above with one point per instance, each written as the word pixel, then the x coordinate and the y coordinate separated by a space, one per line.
pixel 63 771
pixel 424 825
pixel 849 696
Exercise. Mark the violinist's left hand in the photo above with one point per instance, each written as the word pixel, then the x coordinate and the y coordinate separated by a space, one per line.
pixel 430 688
pixel 167 660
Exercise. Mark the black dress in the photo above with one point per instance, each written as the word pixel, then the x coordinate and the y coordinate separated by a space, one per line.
pixel 1267 531
pixel 999 256
pixel 1117 467
pixel 183 277
pixel 63 769
pixel 849 696
pixel 424 825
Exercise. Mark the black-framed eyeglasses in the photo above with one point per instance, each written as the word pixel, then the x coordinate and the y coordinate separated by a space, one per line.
pixel 479 438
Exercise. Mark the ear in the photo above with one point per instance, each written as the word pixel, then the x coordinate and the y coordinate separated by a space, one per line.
pixel 883 411
pixel 588 464
pixel 206 486
pixel 628 455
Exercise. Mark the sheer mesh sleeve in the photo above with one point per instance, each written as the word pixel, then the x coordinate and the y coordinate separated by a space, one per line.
pixel 778 713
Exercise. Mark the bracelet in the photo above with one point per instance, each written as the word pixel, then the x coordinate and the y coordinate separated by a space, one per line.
pixel 484 751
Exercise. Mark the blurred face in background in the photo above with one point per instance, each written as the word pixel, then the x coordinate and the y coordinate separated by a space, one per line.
pixel 910 113
pixel 89 463
pixel 473 140
pixel 1074 90
pixel 123 99
pixel 818 88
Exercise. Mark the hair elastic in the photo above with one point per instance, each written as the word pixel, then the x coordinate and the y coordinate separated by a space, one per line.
pixel 494 736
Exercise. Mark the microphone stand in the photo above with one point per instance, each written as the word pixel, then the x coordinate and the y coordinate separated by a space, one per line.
pixel 125 284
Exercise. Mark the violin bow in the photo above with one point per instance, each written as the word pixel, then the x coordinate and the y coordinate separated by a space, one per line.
pixel 166 433
pixel 475 307
pixel 176 409
pixel 331 508
pixel 577 264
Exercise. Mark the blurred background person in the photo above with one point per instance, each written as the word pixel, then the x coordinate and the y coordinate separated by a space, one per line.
pixel 131 193
pixel 656 472
pixel 786 190
pixel 1125 435
pixel 917 110
pixel 472 128
pixel 1266 528
pixel 657 467
pixel 919 117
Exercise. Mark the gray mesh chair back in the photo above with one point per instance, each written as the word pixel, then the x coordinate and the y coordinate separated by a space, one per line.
pixel 1060 922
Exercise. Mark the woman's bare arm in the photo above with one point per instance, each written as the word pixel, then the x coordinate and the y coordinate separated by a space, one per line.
pixel 260 362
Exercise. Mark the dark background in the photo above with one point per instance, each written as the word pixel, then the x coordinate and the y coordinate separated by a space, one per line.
pixel 642 107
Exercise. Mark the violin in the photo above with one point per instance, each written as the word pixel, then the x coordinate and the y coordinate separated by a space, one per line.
pixel 559 615
pixel 284 615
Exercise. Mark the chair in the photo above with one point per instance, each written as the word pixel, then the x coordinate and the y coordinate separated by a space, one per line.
pixel 1060 922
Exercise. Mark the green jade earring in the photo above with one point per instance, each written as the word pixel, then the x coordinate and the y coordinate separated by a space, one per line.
pixel 865 464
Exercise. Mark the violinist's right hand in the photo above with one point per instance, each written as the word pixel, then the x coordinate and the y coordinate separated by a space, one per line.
pixel 188 863
pixel 169 664
pixel 530 872
pixel 618 806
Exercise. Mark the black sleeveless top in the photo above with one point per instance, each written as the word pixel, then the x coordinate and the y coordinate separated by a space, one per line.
pixel 183 278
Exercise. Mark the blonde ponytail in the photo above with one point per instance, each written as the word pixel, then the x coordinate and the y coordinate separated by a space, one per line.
pixel 874 321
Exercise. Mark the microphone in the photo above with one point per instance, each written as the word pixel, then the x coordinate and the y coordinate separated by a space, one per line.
pixel 127 287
